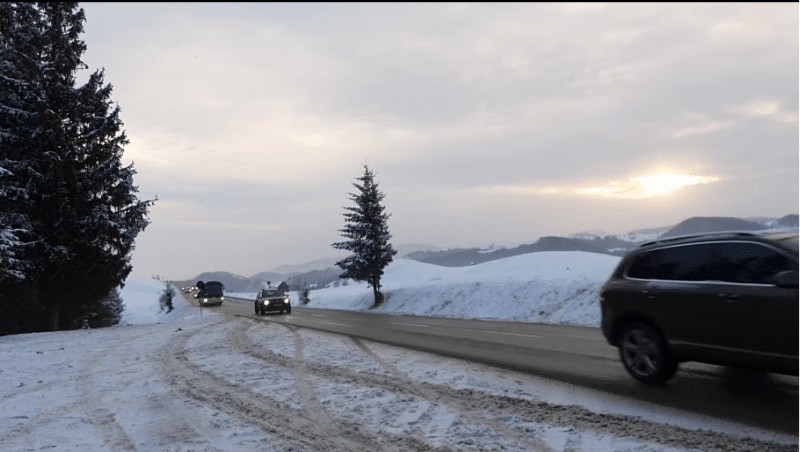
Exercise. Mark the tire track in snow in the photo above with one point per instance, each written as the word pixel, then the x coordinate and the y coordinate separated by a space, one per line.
pixel 30 424
pixel 102 419
pixel 291 425
pixel 577 420
pixel 395 382
pixel 190 380
pixel 105 421
pixel 313 408
pixel 433 394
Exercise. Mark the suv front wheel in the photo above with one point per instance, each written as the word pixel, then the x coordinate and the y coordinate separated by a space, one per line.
pixel 645 355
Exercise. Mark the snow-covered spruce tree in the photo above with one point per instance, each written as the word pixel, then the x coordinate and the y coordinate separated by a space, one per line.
pixel 304 295
pixel 165 299
pixel 107 313
pixel 367 232
pixel 84 214
pixel 22 105
pixel 110 311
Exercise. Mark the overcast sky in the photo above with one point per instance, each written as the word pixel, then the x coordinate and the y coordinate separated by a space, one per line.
pixel 483 123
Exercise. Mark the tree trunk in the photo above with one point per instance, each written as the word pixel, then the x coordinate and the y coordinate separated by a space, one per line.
pixel 378 296
pixel 53 308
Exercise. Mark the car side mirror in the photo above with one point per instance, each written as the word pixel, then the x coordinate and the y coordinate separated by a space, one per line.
pixel 787 279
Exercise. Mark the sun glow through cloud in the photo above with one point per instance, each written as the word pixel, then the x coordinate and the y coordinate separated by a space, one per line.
pixel 663 183
pixel 655 185
pixel 650 186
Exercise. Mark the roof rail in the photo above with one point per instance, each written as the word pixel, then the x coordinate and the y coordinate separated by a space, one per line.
pixel 698 235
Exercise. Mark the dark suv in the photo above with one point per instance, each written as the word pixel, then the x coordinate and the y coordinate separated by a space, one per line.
pixel 728 299
pixel 272 300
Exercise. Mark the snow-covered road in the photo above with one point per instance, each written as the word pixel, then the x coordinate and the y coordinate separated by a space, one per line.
pixel 226 383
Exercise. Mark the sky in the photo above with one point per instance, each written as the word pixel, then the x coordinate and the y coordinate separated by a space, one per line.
pixel 484 123
pixel 199 380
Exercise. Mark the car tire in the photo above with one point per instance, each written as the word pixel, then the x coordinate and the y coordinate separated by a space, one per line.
pixel 645 355
pixel 289 310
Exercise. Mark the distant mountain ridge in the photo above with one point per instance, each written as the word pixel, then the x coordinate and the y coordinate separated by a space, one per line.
pixel 616 245
pixel 321 272
pixel 699 225
pixel 306 266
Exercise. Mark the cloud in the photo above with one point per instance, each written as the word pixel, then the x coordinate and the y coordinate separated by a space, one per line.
pixel 703 128
pixel 770 109
pixel 266 111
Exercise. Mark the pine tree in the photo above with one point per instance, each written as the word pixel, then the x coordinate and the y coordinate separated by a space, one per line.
pixel 74 203
pixel 17 115
pixel 304 295
pixel 22 108
pixel 367 232
pixel 107 313
pixel 112 307
pixel 165 299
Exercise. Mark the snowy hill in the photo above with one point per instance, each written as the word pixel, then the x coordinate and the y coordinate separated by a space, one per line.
pixel 545 287
pixel 322 272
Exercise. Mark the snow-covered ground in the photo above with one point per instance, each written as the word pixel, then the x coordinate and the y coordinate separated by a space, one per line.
pixel 202 381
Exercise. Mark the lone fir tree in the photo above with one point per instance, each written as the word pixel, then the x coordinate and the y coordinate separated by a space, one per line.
pixel 367 232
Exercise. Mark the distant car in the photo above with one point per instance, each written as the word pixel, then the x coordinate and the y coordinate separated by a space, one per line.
pixel 211 293
pixel 727 299
pixel 272 300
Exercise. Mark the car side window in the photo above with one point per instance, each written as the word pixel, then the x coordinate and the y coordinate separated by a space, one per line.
pixel 688 263
pixel 645 266
pixel 677 263
pixel 750 263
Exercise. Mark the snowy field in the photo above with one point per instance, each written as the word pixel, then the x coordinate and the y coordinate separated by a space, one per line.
pixel 196 380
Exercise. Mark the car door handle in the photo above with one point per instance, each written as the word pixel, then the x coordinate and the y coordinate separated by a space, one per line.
pixel 730 298
pixel 649 295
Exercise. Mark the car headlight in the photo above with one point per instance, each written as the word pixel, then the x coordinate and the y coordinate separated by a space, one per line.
pixel 266 302
pixel 285 301
pixel 205 300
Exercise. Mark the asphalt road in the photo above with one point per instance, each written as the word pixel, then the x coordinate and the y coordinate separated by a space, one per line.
pixel 576 355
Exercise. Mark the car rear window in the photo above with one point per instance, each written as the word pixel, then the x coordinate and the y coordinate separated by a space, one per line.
pixel 213 289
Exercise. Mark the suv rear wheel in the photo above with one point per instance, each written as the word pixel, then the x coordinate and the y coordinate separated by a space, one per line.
pixel 645 355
